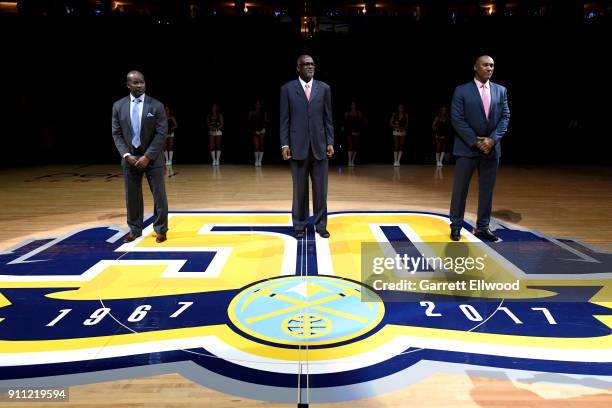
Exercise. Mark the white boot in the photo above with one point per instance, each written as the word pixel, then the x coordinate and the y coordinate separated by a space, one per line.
pixel 395 158
pixel 213 155
pixel 260 158
pixel 438 159
pixel 399 157
pixel 170 154
pixel 256 154
pixel 218 156
pixel 166 156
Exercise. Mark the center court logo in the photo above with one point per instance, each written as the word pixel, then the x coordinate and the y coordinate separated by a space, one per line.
pixel 306 310
pixel 232 299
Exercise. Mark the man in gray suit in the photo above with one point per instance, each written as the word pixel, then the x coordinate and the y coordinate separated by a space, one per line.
pixel 307 139
pixel 480 115
pixel 139 129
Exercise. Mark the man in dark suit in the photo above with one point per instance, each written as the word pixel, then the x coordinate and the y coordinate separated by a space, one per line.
pixel 480 115
pixel 307 139
pixel 139 129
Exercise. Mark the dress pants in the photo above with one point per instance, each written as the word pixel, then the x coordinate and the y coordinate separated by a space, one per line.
pixel 487 172
pixel 300 171
pixel 134 201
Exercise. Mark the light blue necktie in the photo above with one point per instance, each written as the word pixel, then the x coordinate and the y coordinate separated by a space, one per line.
pixel 136 124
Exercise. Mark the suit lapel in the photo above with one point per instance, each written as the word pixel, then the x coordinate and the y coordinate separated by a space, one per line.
pixel 476 94
pixel 494 97
pixel 299 91
pixel 314 90
pixel 126 111
pixel 145 110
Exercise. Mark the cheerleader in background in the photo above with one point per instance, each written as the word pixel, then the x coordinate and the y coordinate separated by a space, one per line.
pixel 443 129
pixel 214 121
pixel 169 147
pixel 353 122
pixel 258 121
pixel 399 123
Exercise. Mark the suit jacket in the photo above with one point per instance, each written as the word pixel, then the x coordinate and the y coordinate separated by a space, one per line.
pixel 153 129
pixel 469 120
pixel 306 124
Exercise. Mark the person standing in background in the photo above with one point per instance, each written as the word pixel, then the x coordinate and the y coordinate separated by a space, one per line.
pixel 353 123
pixel 214 122
pixel 169 147
pixel 399 123
pixel 442 129
pixel 258 121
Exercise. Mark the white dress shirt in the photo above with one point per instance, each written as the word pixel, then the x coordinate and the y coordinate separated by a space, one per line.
pixel 309 83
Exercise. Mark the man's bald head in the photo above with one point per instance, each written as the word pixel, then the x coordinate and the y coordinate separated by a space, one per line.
pixel 136 83
pixel 483 68
pixel 134 74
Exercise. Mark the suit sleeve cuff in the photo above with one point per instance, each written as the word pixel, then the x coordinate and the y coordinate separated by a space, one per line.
pixel 126 155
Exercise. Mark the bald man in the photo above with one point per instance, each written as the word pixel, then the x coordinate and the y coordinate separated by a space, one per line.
pixel 139 131
pixel 307 141
pixel 480 115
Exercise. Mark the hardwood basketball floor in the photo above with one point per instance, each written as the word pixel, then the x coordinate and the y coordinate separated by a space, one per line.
pixel 566 201
pixel 562 201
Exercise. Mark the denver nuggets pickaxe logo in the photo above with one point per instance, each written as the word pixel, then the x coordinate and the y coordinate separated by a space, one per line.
pixel 306 310
pixel 307 325
pixel 231 300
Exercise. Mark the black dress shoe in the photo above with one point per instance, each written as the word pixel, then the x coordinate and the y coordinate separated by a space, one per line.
pixel 131 237
pixel 486 235
pixel 323 233
pixel 161 237
pixel 455 234
pixel 299 234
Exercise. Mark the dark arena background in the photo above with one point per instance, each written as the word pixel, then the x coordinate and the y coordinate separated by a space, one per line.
pixel 233 310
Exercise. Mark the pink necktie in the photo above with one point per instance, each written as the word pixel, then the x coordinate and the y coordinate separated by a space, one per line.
pixel 486 101
pixel 307 90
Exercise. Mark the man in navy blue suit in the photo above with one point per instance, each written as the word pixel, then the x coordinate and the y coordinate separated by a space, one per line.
pixel 307 140
pixel 480 115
